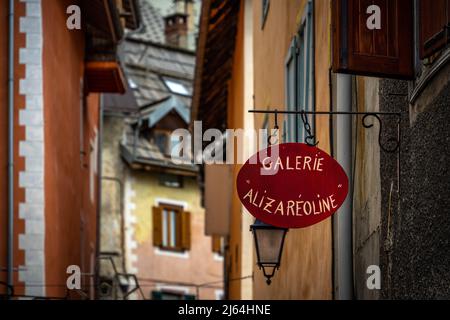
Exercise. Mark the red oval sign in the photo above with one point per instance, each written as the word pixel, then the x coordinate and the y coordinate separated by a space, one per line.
pixel 292 185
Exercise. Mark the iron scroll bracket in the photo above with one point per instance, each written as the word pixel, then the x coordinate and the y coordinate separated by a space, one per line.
pixel 390 145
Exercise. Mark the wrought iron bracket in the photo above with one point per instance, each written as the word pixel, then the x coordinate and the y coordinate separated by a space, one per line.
pixel 391 145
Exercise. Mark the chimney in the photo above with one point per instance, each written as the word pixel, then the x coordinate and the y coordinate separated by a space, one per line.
pixel 177 24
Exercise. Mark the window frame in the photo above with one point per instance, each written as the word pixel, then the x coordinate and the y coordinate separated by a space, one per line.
pixel 301 84
pixel 171 221
pixel 167 133
pixel 160 294
pixel 164 180
pixel 166 228
pixel 218 245
pixel 265 7
pixel 178 82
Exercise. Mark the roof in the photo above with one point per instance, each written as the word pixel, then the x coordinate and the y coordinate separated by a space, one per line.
pixel 120 103
pixel 216 46
pixel 149 65
pixel 152 24
pixel 159 110
pixel 159 83
pixel 141 151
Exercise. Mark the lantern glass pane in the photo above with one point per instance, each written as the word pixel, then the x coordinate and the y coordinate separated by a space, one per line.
pixel 269 242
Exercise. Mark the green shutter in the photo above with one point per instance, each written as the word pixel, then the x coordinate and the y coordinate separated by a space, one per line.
pixel 157 295
pixel 290 90
pixel 305 88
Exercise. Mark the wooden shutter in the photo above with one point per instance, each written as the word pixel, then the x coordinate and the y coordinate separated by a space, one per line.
pixel 157 226
pixel 387 52
pixel 216 247
pixel 434 26
pixel 185 230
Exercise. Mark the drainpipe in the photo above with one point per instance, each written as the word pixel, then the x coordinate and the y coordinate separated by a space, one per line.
pixel 10 257
pixel 99 195
pixel 343 222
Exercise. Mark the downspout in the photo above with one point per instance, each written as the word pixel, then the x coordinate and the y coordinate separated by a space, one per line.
pixel 99 195
pixel 344 228
pixel 10 258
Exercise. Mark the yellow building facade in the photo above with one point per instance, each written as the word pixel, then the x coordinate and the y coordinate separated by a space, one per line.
pixel 258 79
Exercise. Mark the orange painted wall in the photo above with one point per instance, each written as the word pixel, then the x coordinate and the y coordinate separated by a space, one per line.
pixel 68 240
pixel 19 134
pixel 235 120
pixel 67 173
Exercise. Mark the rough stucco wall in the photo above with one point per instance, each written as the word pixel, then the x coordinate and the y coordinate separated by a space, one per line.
pixel 200 266
pixel 112 195
pixel 421 230
pixel 392 95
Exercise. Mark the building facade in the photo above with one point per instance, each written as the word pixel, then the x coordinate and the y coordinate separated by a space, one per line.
pixel 50 208
pixel 325 58
pixel 152 216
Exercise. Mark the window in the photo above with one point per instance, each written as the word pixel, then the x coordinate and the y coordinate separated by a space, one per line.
pixel 219 295
pixel 299 79
pixel 170 180
pixel 176 87
pixel 218 245
pixel 164 140
pixel 132 84
pixel 265 11
pixel 161 140
pixel 174 142
pixel 171 295
pixel 171 228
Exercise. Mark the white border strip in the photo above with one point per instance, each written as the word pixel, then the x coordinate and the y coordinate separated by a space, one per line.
pixel 130 222
pixel 32 149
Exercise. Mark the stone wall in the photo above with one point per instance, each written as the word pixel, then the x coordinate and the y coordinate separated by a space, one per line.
pixel 416 255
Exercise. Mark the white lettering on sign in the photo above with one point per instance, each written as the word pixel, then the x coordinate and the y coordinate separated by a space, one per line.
pixel 74 20
pixel 374 21
pixel 298 208
pixel 298 163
